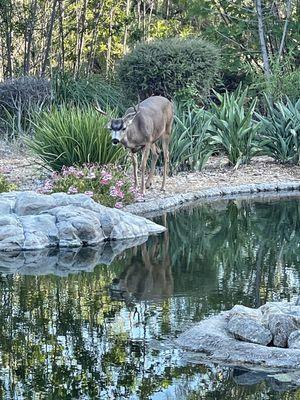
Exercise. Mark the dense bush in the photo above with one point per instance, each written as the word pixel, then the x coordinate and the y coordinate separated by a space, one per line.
pixel 18 98
pixel 85 90
pixel 280 131
pixel 106 184
pixel 233 129
pixel 71 136
pixel 167 66
pixel 189 147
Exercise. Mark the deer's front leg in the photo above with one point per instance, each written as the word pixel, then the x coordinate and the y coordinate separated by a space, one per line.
pixel 145 156
pixel 135 172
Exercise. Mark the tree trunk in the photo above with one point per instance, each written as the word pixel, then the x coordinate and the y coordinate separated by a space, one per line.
pixel 126 27
pixel 109 41
pixel 62 36
pixel 7 24
pixel 97 14
pixel 288 14
pixel 49 39
pixel 261 33
pixel 28 37
pixel 82 27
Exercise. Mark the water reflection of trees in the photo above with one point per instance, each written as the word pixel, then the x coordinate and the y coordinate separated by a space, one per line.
pixel 244 252
pixel 67 337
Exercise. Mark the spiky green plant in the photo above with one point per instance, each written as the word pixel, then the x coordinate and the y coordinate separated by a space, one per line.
pixel 233 128
pixel 189 142
pixel 71 136
pixel 280 131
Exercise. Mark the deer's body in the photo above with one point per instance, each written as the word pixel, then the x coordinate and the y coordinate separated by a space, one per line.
pixel 140 128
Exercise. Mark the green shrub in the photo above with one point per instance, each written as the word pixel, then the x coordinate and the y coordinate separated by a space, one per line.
pixel 106 184
pixel 280 131
pixel 189 147
pixel 5 186
pixel 85 90
pixel 70 136
pixel 284 82
pixel 167 66
pixel 233 129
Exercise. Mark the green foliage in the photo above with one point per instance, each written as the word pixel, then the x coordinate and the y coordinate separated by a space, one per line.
pixel 70 136
pixel 85 91
pixel 5 186
pixel 167 66
pixel 280 132
pixel 189 148
pixel 106 184
pixel 284 82
pixel 233 129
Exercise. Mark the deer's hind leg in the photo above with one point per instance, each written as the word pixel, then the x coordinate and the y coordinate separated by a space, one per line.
pixel 165 146
pixel 155 153
pixel 145 156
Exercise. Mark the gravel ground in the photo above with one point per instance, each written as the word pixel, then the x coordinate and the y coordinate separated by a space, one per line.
pixel 27 173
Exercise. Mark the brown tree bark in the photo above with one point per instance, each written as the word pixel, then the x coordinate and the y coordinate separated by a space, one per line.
pixel 97 15
pixel 49 39
pixel 29 36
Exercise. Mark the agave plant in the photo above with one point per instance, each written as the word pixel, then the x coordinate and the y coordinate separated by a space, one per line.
pixel 233 128
pixel 280 133
pixel 71 136
pixel 189 144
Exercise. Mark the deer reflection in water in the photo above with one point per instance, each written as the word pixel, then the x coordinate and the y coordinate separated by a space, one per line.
pixel 149 275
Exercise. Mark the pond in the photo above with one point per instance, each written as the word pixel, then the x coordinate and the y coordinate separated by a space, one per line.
pixel 106 333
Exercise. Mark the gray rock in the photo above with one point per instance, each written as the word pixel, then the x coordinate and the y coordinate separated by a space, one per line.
pixel 210 341
pixel 249 329
pixel 281 326
pixel 294 340
pixel 30 221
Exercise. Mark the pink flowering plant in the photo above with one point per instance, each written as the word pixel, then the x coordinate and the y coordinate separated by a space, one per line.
pixel 107 184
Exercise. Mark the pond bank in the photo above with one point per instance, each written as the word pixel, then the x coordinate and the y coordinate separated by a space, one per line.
pixel 262 176
pixel 159 206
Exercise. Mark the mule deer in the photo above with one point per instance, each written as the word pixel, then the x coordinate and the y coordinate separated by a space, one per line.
pixel 139 129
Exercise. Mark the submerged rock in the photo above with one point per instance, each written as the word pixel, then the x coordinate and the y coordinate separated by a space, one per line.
pixel 31 221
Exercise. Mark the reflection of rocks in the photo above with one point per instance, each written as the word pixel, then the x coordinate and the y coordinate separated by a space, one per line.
pixel 279 382
pixel 63 261
pixel 216 339
pixel 30 221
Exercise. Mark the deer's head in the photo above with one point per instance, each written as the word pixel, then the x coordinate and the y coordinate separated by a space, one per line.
pixel 119 126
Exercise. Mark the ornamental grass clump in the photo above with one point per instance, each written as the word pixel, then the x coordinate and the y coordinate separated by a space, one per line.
pixel 106 184
pixel 68 136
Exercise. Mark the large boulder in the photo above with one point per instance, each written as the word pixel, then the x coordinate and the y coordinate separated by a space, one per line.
pixel 294 340
pixel 212 340
pixel 249 330
pixel 31 221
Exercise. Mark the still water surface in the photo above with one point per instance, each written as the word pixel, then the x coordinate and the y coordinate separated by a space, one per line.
pixel 104 334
